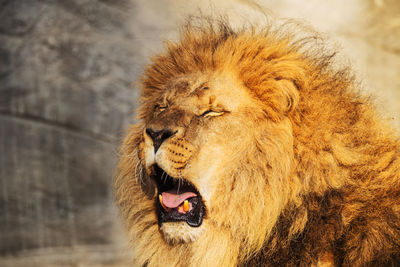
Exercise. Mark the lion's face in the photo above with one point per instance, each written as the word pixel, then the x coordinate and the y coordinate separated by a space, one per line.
pixel 198 132
pixel 195 128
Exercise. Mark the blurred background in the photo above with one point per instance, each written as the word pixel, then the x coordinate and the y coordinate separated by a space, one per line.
pixel 68 91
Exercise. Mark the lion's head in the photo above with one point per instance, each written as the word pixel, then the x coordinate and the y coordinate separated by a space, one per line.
pixel 209 167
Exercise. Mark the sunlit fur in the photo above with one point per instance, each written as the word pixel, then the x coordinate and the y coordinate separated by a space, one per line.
pixel 307 173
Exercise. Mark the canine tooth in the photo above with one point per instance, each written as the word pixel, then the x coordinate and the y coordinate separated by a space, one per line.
pixel 186 206
pixel 162 204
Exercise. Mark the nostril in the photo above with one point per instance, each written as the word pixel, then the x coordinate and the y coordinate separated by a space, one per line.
pixel 166 134
pixel 158 137
pixel 151 133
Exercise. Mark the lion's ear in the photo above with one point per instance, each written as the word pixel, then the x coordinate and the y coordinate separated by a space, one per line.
pixel 288 94
pixel 279 96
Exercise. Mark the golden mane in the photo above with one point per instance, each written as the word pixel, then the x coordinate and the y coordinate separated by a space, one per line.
pixel 320 182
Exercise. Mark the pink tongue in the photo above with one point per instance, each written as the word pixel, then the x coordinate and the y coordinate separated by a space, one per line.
pixel 171 199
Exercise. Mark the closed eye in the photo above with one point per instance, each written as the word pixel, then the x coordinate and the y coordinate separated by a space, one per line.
pixel 211 113
pixel 161 107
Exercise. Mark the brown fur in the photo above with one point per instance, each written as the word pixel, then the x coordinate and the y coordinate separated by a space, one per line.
pixel 297 170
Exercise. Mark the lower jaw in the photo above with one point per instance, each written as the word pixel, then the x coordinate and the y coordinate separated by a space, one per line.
pixel 180 232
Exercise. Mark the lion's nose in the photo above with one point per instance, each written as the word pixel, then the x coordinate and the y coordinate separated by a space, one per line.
pixel 158 137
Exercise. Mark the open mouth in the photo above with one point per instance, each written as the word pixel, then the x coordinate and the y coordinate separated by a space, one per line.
pixel 177 200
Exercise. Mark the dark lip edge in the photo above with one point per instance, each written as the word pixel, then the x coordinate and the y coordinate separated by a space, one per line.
pixel 159 208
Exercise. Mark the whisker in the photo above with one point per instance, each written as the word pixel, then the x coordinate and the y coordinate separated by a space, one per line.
pixel 137 164
pixel 141 174
pixel 131 156
pixel 179 185
pixel 162 175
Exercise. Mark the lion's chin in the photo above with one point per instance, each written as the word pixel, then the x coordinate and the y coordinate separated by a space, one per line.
pixel 180 232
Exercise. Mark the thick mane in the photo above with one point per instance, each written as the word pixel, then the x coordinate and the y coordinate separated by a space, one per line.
pixel 259 56
pixel 334 193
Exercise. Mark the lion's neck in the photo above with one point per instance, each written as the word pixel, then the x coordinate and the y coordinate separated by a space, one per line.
pixel 216 249
pixel 302 225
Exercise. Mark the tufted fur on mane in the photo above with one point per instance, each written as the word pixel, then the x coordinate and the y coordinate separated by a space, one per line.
pixel 319 185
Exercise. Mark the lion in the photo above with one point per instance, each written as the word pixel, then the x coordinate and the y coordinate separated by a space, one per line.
pixel 254 148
